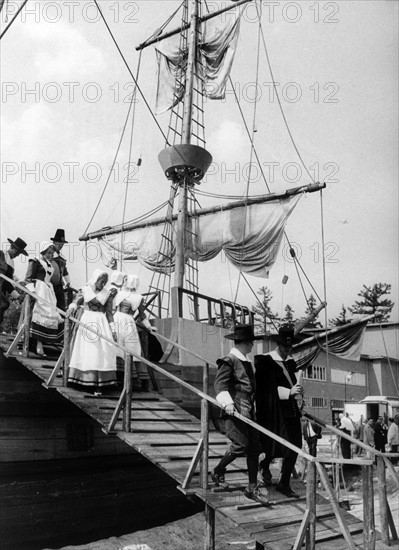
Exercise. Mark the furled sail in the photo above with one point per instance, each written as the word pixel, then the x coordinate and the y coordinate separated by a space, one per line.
pixel 218 46
pixel 249 235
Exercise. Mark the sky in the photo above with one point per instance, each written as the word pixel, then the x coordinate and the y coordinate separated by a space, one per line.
pixel 65 95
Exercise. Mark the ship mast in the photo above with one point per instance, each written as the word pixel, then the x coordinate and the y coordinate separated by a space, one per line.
pixel 186 140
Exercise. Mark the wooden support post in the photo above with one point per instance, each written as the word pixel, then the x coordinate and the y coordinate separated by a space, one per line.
pixel 67 351
pixel 382 497
pixel 193 464
pixel 205 429
pixel 335 505
pixel 127 385
pixel 392 525
pixel 392 472
pixel 27 316
pixel 15 342
pixel 117 411
pixel 210 527
pixel 302 532
pixel 311 505
pixel 368 508
pixel 57 367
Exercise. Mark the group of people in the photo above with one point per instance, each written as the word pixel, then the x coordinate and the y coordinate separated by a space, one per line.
pixel 109 305
pixel 382 437
pixel 272 390
pixel 375 433
pixel 109 302
pixel 46 276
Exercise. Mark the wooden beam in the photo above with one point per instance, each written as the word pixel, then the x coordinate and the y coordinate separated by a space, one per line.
pixel 368 509
pixel 159 37
pixel 117 410
pixel 311 505
pixel 205 428
pixel 335 506
pixel 302 531
pixel 56 369
pixel 310 188
pixel 382 497
pixel 193 464
pixel 209 528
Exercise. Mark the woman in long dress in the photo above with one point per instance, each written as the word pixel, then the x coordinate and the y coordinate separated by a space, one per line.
pixel 46 325
pixel 93 359
pixel 127 302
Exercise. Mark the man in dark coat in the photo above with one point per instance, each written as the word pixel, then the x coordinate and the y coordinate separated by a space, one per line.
pixel 380 434
pixel 235 391
pixel 60 274
pixel 277 392
pixel 311 433
pixel 7 268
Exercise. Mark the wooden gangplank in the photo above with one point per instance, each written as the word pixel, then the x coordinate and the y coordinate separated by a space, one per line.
pixel 168 436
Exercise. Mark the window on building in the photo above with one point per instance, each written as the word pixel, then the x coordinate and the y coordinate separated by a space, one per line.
pixel 314 372
pixel 347 377
pixel 316 402
pixel 337 403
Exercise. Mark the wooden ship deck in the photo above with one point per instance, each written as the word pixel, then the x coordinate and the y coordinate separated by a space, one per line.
pixel 168 437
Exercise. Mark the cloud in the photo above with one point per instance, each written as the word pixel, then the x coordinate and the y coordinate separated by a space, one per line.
pixel 65 53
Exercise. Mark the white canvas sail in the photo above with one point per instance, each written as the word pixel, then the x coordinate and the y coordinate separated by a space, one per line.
pixel 249 235
pixel 218 47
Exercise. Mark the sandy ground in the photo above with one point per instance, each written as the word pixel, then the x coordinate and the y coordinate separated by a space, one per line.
pixel 189 533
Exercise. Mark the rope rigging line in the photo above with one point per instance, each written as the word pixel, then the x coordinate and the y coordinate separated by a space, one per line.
pixel 130 156
pixel 250 159
pixel 249 134
pixel 112 167
pixel 21 7
pixel 160 30
pixel 260 303
pixel 130 72
pixel 324 274
pixel 297 262
pixel 389 361
pixel 279 100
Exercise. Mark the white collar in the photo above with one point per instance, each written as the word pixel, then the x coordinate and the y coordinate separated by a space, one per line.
pixel 238 354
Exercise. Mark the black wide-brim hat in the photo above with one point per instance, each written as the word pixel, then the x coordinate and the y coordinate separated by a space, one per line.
pixel 243 332
pixel 286 336
pixel 20 245
pixel 59 236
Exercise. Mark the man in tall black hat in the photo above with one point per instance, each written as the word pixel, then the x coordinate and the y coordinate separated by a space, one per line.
pixel 277 393
pixel 7 268
pixel 60 274
pixel 235 391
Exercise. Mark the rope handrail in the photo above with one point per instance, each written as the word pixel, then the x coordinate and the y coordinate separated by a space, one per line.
pixel 213 401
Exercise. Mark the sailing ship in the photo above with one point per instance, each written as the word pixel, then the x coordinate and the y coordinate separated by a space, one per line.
pixel 194 60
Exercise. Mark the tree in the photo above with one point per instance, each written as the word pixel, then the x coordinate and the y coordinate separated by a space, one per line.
pixel 289 314
pixel 310 310
pixel 263 313
pixel 373 303
pixel 341 319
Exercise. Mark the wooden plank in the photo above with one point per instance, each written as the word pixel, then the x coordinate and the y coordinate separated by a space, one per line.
pixel 283 538
pixel 273 515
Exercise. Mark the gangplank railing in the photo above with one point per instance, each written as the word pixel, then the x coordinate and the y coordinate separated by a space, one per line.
pixel 315 464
